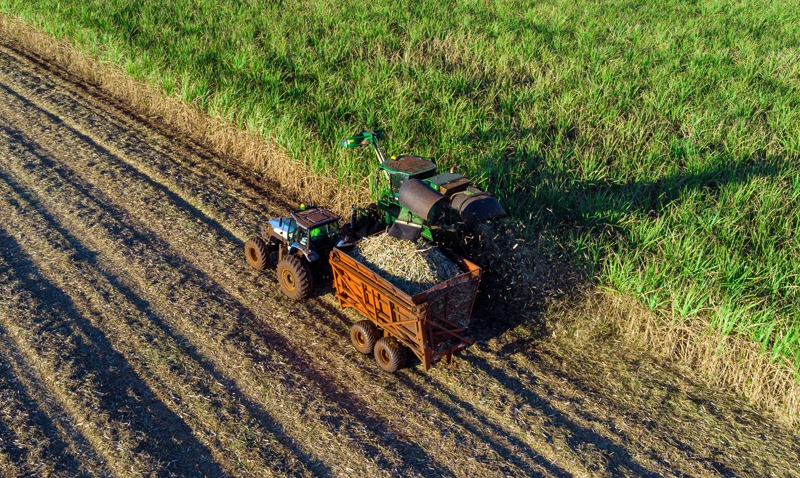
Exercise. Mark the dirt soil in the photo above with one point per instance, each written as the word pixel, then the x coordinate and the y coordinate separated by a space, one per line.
pixel 134 339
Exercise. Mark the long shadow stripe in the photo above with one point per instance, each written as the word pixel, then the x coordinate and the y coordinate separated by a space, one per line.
pixel 105 153
pixel 410 452
pixel 255 409
pixel 502 450
pixel 56 450
pixel 620 459
pixel 124 114
pixel 169 438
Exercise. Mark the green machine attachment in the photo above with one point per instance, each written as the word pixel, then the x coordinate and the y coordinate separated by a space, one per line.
pixel 417 201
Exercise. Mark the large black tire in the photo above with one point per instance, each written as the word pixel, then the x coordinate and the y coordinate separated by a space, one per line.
pixel 256 253
pixel 389 354
pixel 294 277
pixel 363 335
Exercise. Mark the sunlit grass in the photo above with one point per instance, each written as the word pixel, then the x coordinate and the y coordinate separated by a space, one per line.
pixel 656 142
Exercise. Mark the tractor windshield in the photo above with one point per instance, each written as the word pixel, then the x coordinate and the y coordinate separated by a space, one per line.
pixel 324 236
pixel 291 231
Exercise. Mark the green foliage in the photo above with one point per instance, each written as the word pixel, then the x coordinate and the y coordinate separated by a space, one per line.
pixel 657 140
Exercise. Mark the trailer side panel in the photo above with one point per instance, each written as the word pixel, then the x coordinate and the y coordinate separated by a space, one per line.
pixel 431 324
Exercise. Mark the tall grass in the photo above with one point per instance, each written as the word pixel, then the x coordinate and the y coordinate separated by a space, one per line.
pixel 656 141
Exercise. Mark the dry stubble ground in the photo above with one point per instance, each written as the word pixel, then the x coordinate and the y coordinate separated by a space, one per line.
pixel 134 340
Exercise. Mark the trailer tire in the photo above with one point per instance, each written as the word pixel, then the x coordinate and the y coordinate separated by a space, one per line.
pixel 389 354
pixel 256 253
pixel 294 277
pixel 363 335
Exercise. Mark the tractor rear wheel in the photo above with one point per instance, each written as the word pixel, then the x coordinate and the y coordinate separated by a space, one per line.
pixel 256 252
pixel 363 335
pixel 294 277
pixel 389 354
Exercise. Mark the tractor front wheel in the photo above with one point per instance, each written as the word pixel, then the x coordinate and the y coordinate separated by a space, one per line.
pixel 256 252
pixel 390 354
pixel 294 277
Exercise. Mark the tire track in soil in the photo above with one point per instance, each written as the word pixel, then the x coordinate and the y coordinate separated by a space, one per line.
pixel 35 436
pixel 181 383
pixel 347 399
pixel 199 176
pixel 89 378
pixel 237 253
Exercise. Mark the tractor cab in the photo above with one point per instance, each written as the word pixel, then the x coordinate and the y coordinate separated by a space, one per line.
pixel 309 231
pixel 299 240
pixel 317 228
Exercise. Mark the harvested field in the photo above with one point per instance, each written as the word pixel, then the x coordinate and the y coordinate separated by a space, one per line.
pixel 135 340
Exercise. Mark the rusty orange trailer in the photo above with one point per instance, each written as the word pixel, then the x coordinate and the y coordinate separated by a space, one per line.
pixel 431 324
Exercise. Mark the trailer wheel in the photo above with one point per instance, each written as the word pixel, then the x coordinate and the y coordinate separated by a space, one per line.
pixel 363 335
pixel 256 253
pixel 389 354
pixel 294 277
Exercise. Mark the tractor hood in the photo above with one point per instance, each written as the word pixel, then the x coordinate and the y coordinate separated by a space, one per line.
pixel 281 226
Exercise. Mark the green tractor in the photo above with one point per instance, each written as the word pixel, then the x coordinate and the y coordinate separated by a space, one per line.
pixel 415 200
pixel 300 241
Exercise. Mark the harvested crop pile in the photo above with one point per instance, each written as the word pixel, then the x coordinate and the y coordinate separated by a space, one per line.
pixel 413 267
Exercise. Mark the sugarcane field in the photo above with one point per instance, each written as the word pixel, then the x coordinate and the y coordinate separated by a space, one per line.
pixel 432 239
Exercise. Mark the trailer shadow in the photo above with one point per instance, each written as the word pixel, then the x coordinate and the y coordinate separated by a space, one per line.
pixel 673 389
pixel 620 461
pixel 516 452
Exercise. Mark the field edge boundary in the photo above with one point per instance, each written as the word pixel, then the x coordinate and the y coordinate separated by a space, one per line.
pixel 727 362
pixel 266 160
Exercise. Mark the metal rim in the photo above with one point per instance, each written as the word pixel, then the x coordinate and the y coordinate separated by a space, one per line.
pixel 383 356
pixel 360 339
pixel 288 279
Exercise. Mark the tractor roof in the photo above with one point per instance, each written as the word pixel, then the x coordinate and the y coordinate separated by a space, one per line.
pixel 314 217
pixel 411 165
